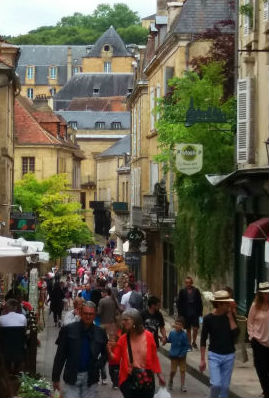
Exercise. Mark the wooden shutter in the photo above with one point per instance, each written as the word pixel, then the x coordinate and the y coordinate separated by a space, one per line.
pixel 245 121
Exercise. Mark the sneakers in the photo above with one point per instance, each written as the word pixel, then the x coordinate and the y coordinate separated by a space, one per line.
pixel 195 346
pixel 183 388
pixel 170 385
pixel 189 349
pixel 104 382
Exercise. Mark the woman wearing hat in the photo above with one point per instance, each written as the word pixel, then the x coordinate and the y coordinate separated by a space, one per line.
pixel 222 329
pixel 258 330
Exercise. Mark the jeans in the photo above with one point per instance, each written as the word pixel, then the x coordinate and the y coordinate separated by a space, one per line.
pixel 220 369
pixel 80 389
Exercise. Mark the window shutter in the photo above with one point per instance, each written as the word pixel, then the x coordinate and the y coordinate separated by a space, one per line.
pixel 154 175
pixel 245 121
pixel 139 130
pixel 134 132
pixel 152 103
pixel 266 10
pixel 158 95
pixel 138 185
pixel 246 20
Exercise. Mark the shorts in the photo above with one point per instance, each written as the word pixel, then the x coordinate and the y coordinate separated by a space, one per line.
pixel 178 362
pixel 192 321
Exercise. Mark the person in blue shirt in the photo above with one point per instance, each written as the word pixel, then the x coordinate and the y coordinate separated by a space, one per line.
pixel 178 352
pixel 86 294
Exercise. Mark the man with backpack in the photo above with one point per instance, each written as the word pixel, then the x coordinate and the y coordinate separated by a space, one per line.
pixel 153 320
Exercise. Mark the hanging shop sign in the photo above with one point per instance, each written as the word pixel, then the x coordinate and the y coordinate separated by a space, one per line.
pixel 189 158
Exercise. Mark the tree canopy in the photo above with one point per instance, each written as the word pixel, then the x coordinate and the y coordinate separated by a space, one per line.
pixel 60 223
pixel 203 228
pixel 86 29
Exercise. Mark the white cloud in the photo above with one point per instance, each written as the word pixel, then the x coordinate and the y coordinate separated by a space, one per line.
pixel 20 16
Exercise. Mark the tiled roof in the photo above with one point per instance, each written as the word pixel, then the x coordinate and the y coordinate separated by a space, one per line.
pixel 197 16
pixel 106 104
pixel 112 38
pixel 86 119
pixel 83 85
pixel 119 148
pixel 44 56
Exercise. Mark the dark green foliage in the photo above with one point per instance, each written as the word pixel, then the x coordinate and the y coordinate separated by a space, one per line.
pixel 86 29
pixel 203 238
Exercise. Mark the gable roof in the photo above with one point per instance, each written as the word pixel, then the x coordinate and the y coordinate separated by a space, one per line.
pixel 197 16
pixel 112 38
pixel 82 85
pixel 44 56
pixel 86 119
pixel 119 148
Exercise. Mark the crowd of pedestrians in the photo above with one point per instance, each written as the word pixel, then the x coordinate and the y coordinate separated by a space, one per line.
pixel 105 323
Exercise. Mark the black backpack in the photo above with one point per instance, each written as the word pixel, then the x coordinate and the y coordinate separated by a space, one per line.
pixel 136 301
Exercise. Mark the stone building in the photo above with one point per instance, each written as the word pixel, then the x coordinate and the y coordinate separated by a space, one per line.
pixel 9 88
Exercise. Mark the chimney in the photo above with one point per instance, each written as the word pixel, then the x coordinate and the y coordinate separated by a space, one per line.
pixel 161 7
pixel 69 63
pixel 174 9
pixel 40 103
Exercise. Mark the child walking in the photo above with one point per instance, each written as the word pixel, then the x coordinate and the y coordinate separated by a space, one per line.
pixel 178 352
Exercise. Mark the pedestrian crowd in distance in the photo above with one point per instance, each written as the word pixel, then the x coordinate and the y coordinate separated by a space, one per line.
pixel 107 320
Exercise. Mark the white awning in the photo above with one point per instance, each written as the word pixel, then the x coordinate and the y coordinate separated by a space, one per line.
pixel 76 250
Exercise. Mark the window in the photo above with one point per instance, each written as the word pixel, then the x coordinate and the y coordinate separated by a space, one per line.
pixel 107 67
pixel 116 125
pixel 127 191
pixel 100 125
pixel 83 200
pixel 96 91
pixel 28 165
pixel 106 47
pixel 52 72
pixel 76 69
pixel 152 106
pixel 61 165
pixel 30 93
pixel 154 175
pixel 73 124
pixel 52 91
pixel 123 192
pixel 30 72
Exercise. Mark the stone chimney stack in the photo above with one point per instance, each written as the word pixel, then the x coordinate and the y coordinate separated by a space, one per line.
pixel 174 8
pixel 162 7
pixel 69 63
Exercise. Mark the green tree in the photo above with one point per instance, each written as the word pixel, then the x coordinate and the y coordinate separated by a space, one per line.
pixel 203 226
pixel 85 29
pixel 60 223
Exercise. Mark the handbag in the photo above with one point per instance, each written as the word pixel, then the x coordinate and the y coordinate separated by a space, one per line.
pixel 140 383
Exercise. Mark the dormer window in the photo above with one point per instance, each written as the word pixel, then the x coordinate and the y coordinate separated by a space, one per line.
pixel 52 72
pixel 100 125
pixel 76 69
pixel 96 91
pixel 73 124
pixel 106 47
pixel 30 72
pixel 116 125
pixel 130 90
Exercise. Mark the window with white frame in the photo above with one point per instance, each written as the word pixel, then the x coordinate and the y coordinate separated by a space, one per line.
pixel 116 125
pixel 138 129
pixel 100 125
pixel 134 131
pixel 30 72
pixel 30 93
pixel 107 67
pixel 52 72
pixel 248 18
pixel 28 165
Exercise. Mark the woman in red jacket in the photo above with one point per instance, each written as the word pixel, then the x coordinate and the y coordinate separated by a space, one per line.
pixel 140 358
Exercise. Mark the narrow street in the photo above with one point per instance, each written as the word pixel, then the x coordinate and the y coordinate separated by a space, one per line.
pixel 47 351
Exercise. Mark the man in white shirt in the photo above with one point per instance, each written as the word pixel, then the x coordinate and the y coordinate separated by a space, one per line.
pixel 74 315
pixel 126 297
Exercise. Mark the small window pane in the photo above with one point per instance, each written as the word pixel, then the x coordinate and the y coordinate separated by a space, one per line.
pixel 30 93
pixel 116 125
pixel 107 67
pixel 100 125
pixel 53 71
pixel 30 72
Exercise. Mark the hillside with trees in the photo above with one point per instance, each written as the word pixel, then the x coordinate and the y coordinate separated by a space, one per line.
pixel 86 29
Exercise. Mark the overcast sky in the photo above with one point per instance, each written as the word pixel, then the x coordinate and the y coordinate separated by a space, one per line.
pixel 20 16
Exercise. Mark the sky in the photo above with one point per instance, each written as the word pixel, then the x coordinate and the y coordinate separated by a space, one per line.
pixel 20 16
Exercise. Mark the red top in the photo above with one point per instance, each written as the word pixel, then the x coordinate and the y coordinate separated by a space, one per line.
pixel 120 354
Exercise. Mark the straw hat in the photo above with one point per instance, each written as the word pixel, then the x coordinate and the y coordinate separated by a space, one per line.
pixel 263 287
pixel 221 296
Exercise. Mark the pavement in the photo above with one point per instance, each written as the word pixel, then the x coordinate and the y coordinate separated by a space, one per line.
pixel 244 383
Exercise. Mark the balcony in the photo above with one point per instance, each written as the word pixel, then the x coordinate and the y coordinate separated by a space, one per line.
pixel 88 181
pixel 120 207
pixel 151 216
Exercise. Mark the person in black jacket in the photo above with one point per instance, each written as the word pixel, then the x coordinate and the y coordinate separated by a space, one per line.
pixel 190 307
pixel 82 350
